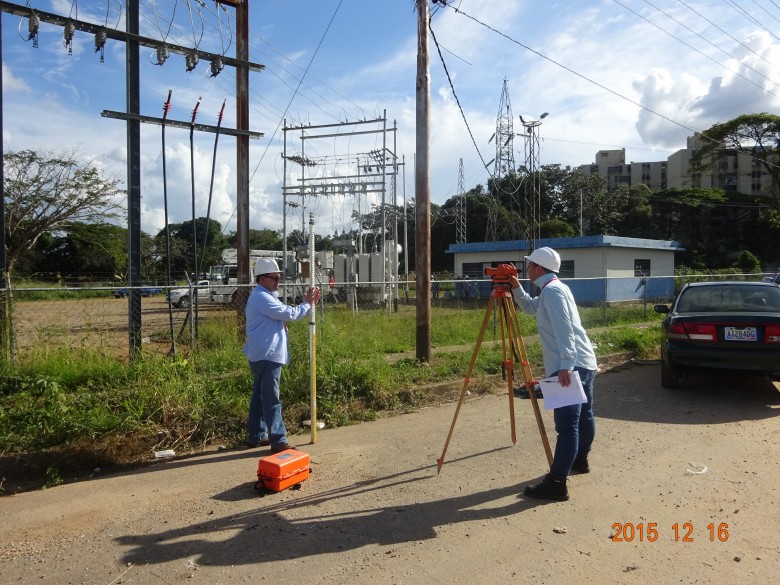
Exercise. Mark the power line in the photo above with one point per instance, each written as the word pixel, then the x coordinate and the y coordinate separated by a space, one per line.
pixel 750 18
pixel 689 29
pixel 743 45
pixel 737 73
pixel 455 95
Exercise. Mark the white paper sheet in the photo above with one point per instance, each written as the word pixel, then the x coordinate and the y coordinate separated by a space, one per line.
pixel 556 396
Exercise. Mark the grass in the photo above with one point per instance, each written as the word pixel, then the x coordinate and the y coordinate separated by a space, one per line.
pixel 86 408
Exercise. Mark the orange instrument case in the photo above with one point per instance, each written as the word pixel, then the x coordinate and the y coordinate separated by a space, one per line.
pixel 284 469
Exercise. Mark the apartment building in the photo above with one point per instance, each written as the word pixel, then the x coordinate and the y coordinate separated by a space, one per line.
pixel 734 171
pixel 612 165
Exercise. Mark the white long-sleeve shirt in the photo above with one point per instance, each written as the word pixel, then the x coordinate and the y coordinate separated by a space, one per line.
pixel 565 344
pixel 266 331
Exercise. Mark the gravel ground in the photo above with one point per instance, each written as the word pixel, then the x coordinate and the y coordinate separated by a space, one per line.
pixel 688 478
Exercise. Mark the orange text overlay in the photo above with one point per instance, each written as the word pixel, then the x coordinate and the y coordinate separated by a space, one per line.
pixel 679 532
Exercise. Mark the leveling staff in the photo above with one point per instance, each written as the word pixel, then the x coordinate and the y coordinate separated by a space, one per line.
pixel 565 348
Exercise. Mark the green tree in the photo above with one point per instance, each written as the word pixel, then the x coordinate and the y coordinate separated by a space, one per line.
pixel 748 263
pixel 607 210
pixel 764 236
pixel 509 195
pixel 84 250
pixel 44 191
pixel 152 254
pixel 265 239
pixel 684 214
pixel 556 228
pixel 637 219
pixel 567 194
pixel 756 135
pixel 181 245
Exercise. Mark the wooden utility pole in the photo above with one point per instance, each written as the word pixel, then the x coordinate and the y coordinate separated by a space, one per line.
pixel 422 190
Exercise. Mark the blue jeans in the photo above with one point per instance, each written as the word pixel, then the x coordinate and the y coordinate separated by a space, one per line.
pixel 265 407
pixel 575 426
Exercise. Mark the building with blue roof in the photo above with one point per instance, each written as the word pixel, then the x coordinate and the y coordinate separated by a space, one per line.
pixel 596 268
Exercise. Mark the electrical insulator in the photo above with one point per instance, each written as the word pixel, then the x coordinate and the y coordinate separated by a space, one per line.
pixel 32 28
pixel 192 60
pixel 216 66
pixel 70 29
pixel 100 43
pixel 162 54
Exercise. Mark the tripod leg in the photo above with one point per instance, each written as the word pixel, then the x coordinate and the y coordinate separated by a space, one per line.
pixel 509 367
pixel 473 361
pixel 528 376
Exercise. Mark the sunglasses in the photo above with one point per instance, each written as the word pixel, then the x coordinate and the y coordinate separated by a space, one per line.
pixel 275 278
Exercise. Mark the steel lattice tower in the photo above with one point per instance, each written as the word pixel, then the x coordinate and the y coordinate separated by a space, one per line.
pixel 532 193
pixel 460 209
pixel 504 161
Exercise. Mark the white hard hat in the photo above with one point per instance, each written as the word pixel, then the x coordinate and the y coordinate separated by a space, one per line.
pixel 266 266
pixel 546 258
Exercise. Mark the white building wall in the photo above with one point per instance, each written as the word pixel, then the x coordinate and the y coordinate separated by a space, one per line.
pixel 588 262
pixel 487 258
pixel 621 261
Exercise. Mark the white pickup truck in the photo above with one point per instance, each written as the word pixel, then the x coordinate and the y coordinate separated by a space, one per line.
pixel 774 278
pixel 180 297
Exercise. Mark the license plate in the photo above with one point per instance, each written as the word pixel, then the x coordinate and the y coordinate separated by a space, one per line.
pixel 740 334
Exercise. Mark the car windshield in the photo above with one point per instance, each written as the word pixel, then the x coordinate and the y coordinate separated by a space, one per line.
pixel 729 298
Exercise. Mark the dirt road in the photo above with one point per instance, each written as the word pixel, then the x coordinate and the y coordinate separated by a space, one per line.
pixel 690 477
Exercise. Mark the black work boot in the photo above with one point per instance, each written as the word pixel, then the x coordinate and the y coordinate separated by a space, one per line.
pixel 580 464
pixel 553 487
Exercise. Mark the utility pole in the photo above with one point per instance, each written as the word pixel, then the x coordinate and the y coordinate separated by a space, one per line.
pixel 133 104
pixel 242 163
pixel 422 189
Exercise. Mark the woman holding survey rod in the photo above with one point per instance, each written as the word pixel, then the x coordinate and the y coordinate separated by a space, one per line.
pixel 567 353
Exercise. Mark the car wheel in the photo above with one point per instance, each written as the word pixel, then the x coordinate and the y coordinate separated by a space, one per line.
pixel 184 302
pixel 669 378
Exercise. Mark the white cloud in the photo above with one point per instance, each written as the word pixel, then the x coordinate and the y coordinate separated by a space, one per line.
pixel 12 83
pixel 698 102
pixel 673 99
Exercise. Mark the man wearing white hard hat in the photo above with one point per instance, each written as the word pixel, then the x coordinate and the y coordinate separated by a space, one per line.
pixel 267 350
pixel 565 348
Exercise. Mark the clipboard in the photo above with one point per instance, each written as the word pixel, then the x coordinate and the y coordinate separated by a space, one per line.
pixel 557 396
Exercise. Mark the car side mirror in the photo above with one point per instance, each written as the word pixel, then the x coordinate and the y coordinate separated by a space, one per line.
pixel 661 309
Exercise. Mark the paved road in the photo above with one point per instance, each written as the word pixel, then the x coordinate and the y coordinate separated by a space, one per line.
pixel 376 511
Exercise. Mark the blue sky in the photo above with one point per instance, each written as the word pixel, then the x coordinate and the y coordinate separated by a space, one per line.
pixel 637 74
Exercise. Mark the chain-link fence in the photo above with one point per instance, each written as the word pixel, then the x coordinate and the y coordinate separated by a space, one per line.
pixel 119 320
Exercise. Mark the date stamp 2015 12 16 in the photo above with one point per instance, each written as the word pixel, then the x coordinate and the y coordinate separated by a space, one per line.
pixel 680 532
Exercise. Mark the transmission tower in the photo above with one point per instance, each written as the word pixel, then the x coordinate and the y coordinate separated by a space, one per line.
pixel 532 193
pixel 504 163
pixel 460 207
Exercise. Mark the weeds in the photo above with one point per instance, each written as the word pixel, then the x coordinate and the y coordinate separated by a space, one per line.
pixel 52 478
pixel 92 409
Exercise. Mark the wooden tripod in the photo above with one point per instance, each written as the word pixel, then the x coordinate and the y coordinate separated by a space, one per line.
pixel 513 350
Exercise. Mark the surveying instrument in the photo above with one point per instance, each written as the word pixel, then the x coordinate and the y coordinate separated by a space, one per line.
pixel 513 351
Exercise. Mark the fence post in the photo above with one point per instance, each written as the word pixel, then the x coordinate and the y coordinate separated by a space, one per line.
pixel 4 328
